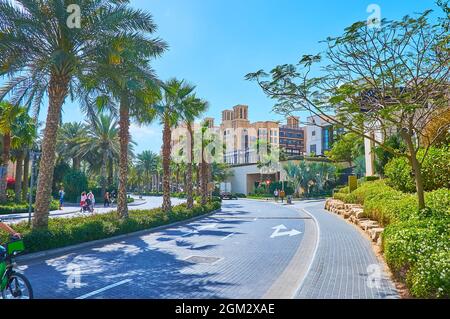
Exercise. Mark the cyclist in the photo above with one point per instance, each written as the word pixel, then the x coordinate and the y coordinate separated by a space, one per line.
pixel 9 230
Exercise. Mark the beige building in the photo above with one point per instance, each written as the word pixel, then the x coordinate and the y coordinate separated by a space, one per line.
pixel 240 136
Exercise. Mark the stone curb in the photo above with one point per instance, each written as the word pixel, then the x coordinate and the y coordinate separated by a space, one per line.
pixel 67 249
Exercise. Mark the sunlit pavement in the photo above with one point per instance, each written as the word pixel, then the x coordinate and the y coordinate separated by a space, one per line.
pixel 250 250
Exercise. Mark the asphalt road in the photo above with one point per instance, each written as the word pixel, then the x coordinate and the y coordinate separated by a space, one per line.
pixel 250 249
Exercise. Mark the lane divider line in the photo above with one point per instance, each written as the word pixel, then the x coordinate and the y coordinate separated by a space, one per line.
pixel 96 292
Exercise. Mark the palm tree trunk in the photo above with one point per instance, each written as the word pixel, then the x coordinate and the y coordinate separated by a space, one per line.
pixel 103 173
pixel 124 137
pixel 204 180
pixel 166 206
pixel 5 159
pixel 197 175
pixel 110 172
pixel 177 179
pixel 57 93
pixel 76 163
pixel 26 171
pixel 19 170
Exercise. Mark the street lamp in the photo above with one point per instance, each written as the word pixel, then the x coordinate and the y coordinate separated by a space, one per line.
pixel 34 155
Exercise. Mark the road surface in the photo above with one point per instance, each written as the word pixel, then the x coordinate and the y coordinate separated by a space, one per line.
pixel 250 249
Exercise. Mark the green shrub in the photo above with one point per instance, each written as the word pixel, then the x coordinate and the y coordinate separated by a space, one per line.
pixel 371 178
pixel 19 208
pixel 435 171
pixel 430 277
pixel 405 243
pixel 75 182
pixel 439 202
pixel 63 232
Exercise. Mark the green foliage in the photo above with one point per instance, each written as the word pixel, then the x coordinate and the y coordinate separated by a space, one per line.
pixel 17 208
pixel 74 182
pixel 382 157
pixel 399 172
pixel 435 170
pixel 70 231
pixel 418 252
pixel 347 148
pixel 430 277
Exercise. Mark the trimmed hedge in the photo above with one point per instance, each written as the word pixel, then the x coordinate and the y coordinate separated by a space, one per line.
pixel 18 208
pixel 64 232
pixel 435 171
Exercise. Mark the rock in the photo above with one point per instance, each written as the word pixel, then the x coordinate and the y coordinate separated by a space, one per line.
pixel 369 224
pixel 375 233
pixel 379 241
pixel 359 214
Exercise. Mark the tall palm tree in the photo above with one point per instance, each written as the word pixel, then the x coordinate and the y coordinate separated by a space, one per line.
pixel 45 56
pixel 168 109
pixel 193 108
pixel 102 143
pixel 10 116
pixel 147 161
pixel 71 136
pixel 24 134
pixel 124 82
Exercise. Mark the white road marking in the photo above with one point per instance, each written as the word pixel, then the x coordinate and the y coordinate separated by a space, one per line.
pixel 96 292
pixel 226 237
pixel 278 232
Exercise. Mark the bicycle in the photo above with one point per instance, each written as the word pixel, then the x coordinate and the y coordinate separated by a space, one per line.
pixel 13 285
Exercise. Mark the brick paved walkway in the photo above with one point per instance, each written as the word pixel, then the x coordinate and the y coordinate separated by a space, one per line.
pixel 344 263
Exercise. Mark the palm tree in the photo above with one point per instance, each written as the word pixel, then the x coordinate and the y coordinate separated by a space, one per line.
pixel 44 55
pixel 168 109
pixel 24 134
pixel 102 142
pixel 147 161
pixel 71 136
pixel 193 107
pixel 124 82
pixel 10 117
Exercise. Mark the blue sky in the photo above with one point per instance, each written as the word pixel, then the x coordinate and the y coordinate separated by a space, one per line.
pixel 214 43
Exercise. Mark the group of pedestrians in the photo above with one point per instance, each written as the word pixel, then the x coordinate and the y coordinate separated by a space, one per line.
pixel 87 202
pixel 109 198
pixel 279 194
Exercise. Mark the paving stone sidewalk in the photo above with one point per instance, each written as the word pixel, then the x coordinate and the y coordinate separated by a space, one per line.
pixel 345 266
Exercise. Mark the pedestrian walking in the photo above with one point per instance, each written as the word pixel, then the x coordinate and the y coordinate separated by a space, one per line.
pixel 106 200
pixel 91 198
pixel 282 195
pixel 61 198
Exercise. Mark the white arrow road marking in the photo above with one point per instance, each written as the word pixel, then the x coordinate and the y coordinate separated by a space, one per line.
pixel 96 292
pixel 278 232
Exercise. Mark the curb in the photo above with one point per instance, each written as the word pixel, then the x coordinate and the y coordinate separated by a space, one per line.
pixel 67 249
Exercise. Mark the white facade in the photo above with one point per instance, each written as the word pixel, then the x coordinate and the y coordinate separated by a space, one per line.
pixel 314 135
